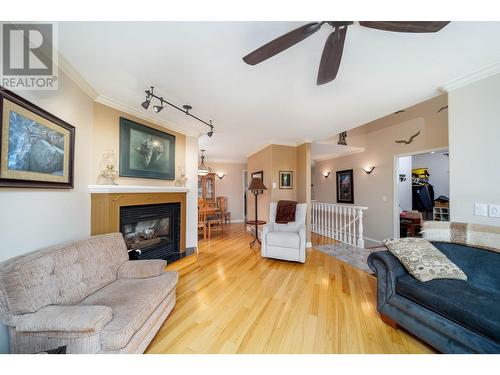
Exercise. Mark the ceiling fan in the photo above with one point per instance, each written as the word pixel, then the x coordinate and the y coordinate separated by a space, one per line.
pixel 332 53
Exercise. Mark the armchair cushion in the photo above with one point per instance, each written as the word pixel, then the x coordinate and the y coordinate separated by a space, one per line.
pixel 141 269
pixel 283 239
pixel 53 318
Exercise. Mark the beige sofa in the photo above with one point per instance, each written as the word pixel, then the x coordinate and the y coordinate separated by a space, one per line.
pixel 86 295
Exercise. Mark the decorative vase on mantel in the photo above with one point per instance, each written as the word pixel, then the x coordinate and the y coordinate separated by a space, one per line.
pixel 109 171
pixel 181 180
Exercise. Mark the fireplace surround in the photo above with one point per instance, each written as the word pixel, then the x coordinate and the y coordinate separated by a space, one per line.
pixel 107 204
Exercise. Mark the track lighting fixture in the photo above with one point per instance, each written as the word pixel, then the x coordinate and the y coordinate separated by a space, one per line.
pixel 145 104
pixel 158 108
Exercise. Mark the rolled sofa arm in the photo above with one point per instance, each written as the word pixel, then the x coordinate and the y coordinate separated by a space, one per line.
pixel 141 269
pixel 74 319
pixel 387 268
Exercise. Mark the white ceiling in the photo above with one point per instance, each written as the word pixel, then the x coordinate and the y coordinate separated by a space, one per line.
pixel 200 63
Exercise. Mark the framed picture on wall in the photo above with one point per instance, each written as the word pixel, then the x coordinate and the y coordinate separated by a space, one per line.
pixel 259 174
pixel 37 149
pixel 146 152
pixel 345 187
pixel 286 180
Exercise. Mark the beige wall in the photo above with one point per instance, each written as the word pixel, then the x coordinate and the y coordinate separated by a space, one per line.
pixel 284 158
pixel 35 218
pixel 272 160
pixel 376 190
pixel 106 127
pixel 304 181
pixel 260 161
pixel 474 149
pixel 231 186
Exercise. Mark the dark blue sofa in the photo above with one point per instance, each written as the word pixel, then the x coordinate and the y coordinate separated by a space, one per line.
pixel 453 316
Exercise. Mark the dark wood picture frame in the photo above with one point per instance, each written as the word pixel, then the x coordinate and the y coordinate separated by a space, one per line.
pixel 281 184
pixel 30 107
pixel 259 174
pixel 346 196
pixel 125 170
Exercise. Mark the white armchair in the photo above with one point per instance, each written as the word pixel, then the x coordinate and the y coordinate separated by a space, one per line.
pixel 285 241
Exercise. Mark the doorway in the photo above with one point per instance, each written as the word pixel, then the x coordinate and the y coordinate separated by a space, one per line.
pixel 422 191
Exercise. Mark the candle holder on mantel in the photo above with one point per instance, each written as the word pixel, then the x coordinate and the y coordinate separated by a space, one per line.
pixel 181 180
pixel 108 167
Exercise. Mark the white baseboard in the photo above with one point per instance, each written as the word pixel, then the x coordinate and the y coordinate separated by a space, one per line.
pixel 237 221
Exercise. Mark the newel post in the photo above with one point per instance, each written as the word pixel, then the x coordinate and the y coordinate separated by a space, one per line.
pixel 361 240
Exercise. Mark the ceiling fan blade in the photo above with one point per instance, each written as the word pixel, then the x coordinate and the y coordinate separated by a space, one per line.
pixel 282 43
pixel 332 54
pixel 406 26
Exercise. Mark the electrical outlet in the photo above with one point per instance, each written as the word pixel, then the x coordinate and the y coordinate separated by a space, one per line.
pixel 481 209
pixel 494 210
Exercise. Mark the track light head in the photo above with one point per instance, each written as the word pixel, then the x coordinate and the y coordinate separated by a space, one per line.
pixel 145 104
pixel 210 133
pixel 157 108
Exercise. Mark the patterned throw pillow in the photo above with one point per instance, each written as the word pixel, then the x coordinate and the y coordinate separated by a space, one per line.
pixel 422 260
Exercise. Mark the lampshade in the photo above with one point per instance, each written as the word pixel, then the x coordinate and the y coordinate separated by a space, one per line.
pixel 256 184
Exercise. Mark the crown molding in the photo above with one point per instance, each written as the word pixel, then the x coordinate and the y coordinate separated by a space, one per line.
pixel 139 114
pixel 76 77
pixel 478 75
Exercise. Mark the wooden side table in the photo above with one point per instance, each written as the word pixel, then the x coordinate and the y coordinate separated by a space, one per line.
pixel 256 223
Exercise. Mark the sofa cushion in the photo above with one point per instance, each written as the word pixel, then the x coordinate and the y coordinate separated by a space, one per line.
pixel 457 300
pixel 132 302
pixel 283 239
pixel 481 266
pixel 423 260
pixel 70 319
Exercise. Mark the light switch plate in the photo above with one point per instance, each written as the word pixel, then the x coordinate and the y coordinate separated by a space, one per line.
pixel 494 210
pixel 481 209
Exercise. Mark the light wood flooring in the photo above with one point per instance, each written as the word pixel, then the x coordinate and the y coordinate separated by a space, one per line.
pixel 230 300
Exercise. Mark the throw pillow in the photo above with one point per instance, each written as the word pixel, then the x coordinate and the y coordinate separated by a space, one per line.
pixel 423 260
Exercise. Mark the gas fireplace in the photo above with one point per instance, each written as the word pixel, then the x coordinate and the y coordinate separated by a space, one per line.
pixel 152 231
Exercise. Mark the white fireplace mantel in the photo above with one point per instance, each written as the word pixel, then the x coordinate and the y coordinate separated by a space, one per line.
pixel 107 189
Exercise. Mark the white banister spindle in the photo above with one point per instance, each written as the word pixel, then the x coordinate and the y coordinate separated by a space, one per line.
pixel 341 222
pixel 349 226
pixel 354 238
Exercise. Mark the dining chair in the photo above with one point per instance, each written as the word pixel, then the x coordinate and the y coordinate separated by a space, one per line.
pixel 222 204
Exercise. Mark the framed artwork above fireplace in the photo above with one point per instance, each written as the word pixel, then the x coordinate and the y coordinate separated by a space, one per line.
pixel 146 152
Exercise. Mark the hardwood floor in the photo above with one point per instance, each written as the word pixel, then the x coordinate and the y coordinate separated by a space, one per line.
pixel 230 300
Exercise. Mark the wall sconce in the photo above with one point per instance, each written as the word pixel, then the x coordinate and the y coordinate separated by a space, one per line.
pixel 369 170
pixel 221 175
pixel 326 174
